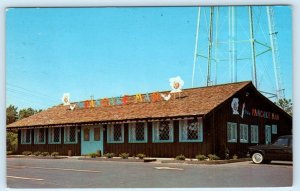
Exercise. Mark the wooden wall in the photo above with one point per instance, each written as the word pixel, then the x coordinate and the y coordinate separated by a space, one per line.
pixel 218 119
pixel 157 149
pixel 61 148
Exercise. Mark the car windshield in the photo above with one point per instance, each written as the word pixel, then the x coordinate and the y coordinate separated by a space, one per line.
pixel 282 142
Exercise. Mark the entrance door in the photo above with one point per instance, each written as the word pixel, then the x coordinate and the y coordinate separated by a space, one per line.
pixel 91 139
pixel 268 132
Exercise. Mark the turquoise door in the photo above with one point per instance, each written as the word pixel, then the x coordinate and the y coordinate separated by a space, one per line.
pixel 91 139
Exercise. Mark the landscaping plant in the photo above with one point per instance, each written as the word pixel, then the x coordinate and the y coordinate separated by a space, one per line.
pixel 45 154
pixel 234 156
pixel 201 157
pixel 213 157
pixel 124 155
pixel 26 153
pixel 109 155
pixel 180 157
pixel 37 153
pixel 54 154
pixel 93 155
pixel 141 156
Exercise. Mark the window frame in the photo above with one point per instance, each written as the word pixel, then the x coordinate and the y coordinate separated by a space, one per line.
pixel 51 134
pixel 184 122
pixel 245 127
pixel 230 124
pixel 110 133
pixel 252 127
pixel 131 126
pixel 155 125
pixel 68 132
pixel 274 128
pixel 36 136
pixel 24 136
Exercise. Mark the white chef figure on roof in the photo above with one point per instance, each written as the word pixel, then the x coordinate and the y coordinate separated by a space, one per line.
pixel 66 99
pixel 176 84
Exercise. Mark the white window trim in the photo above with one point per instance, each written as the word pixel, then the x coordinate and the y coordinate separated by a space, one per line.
pixel 51 136
pixel 36 136
pixel 110 133
pixel 254 134
pixel 67 135
pixel 183 123
pixel 242 138
pixel 23 136
pixel 230 124
pixel 155 132
pixel 131 139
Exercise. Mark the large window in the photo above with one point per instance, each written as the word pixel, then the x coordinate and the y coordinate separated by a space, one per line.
pixel 54 136
pixel 231 132
pixel 115 133
pixel 190 130
pixel 26 136
pixel 254 134
pixel 39 136
pixel 70 135
pixel 162 131
pixel 137 132
pixel 244 133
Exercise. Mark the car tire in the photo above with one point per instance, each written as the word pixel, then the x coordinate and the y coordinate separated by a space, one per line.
pixel 257 158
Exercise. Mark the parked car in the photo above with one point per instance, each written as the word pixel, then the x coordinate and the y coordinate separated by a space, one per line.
pixel 281 149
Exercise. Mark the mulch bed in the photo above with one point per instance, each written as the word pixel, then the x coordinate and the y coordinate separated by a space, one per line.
pixel 36 157
pixel 117 159
pixel 207 162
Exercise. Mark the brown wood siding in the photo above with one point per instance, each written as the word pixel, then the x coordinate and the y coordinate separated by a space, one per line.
pixel 61 148
pixel 150 149
pixel 223 114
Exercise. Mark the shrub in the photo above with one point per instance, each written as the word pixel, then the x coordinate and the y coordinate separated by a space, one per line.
pixel 124 155
pixel 213 157
pixel 45 154
pixel 93 155
pixel 98 153
pixel 37 153
pixel 9 152
pixel 26 153
pixel 54 154
pixel 141 156
pixel 235 156
pixel 109 155
pixel 180 157
pixel 201 157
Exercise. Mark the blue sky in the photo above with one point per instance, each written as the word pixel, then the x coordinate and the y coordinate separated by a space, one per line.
pixel 108 52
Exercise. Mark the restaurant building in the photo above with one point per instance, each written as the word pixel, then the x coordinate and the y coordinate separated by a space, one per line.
pixel 205 120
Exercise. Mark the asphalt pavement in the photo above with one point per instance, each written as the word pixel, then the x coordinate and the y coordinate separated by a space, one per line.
pixel 73 173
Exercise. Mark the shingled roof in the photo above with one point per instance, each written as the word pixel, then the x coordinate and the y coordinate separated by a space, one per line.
pixel 192 102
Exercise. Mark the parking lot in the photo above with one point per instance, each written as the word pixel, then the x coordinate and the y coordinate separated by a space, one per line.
pixel 73 173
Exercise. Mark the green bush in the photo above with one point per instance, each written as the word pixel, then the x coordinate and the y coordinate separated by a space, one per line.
pixel 109 155
pixel 93 155
pixel 9 152
pixel 180 157
pixel 37 153
pixel 141 156
pixel 213 157
pixel 124 155
pixel 45 154
pixel 54 154
pixel 234 156
pixel 26 153
pixel 201 157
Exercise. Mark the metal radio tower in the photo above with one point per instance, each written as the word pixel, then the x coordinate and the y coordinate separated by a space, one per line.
pixel 255 47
